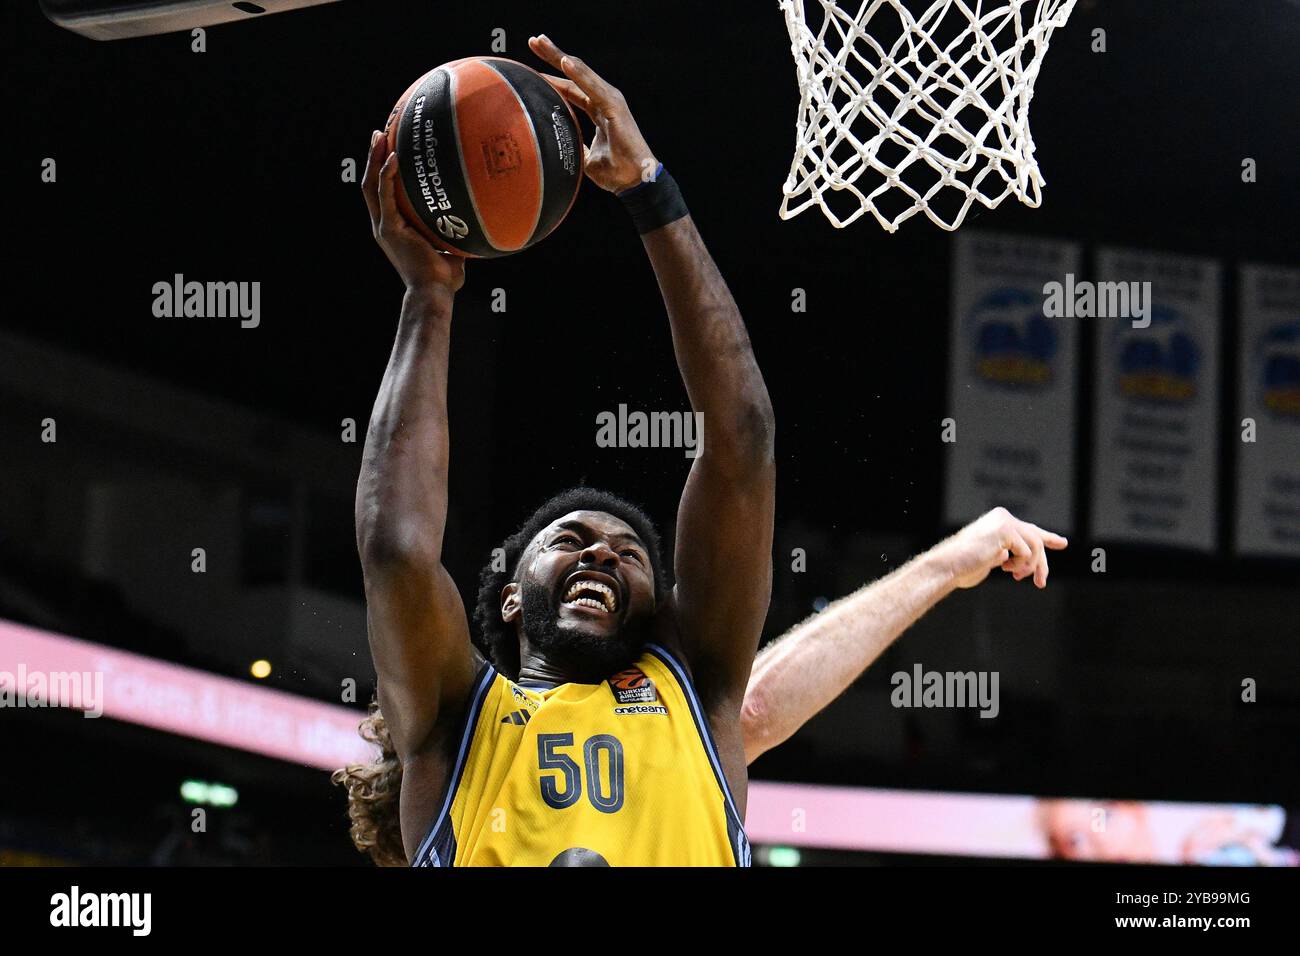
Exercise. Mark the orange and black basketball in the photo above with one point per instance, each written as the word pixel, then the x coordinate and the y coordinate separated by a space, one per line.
pixel 489 156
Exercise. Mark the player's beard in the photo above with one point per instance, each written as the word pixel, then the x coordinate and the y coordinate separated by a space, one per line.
pixel 583 658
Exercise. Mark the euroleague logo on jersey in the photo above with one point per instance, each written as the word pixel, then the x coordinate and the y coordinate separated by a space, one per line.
pixel 633 687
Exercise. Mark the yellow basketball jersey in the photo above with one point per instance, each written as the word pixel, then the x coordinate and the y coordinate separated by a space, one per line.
pixel 622 773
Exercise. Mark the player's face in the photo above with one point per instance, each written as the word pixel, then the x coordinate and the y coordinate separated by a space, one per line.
pixel 595 572
pixel 587 595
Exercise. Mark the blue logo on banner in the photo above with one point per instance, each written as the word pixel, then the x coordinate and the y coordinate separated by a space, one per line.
pixel 1014 343
pixel 1158 364
pixel 1278 352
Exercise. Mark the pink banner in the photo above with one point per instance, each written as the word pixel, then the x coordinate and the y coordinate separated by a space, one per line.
pixel 51 670
pixel 967 824
pixel 892 821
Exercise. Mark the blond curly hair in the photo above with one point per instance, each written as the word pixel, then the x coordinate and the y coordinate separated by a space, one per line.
pixel 374 790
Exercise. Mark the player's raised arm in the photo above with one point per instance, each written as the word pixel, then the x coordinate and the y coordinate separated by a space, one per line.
pixel 419 635
pixel 800 673
pixel 723 556
pixel 723 548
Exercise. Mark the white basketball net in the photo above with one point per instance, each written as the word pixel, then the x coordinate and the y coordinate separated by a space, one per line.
pixel 898 110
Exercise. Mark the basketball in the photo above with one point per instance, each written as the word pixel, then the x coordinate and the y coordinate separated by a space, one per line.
pixel 489 156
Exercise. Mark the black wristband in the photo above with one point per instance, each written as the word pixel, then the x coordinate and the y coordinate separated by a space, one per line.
pixel 655 202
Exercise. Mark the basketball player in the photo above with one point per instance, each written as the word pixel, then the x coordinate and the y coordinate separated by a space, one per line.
pixel 595 718
pixel 793 678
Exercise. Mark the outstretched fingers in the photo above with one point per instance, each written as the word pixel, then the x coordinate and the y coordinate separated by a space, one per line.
pixel 588 81
pixel 571 92
pixel 1025 546
pixel 1054 541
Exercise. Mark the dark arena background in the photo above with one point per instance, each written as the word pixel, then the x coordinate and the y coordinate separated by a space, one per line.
pixel 178 491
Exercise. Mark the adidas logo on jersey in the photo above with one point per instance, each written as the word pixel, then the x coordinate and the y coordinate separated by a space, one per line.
pixel 521 697
pixel 518 718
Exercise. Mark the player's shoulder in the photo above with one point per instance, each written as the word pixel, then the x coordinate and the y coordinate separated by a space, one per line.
pixel 670 651
pixel 444 742
pixel 668 638
pixel 666 635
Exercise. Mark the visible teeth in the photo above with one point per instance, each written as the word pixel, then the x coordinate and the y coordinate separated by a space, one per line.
pixel 588 602
pixel 606 602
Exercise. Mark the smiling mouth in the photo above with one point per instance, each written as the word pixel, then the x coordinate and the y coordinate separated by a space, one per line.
pixel 591 594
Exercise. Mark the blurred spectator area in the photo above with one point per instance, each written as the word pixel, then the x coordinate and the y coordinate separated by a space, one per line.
pixel 98 528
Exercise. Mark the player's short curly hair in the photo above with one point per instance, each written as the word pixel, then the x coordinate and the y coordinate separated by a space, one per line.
pixel 496 639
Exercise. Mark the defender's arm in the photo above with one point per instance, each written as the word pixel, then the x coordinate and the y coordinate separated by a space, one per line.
pixel 800 673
